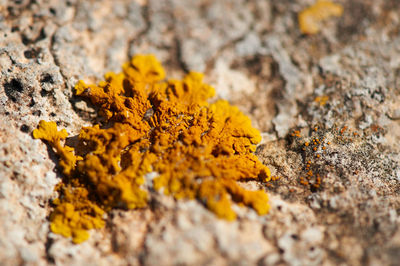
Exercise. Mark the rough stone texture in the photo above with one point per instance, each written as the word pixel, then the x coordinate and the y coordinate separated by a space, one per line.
pixel 254 54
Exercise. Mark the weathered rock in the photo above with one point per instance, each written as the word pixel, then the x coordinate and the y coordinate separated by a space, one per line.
pixel 255 55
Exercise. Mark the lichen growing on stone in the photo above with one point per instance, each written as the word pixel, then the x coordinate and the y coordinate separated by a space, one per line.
pixel 311 17
pixel 196 149
pixel 48 131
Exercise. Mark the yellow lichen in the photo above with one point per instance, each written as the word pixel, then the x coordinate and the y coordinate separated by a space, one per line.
pixel 322 100
pixel 48 131
pixel 310 18
pixel 197 149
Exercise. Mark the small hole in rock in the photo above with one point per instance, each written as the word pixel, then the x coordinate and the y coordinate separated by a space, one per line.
pixel 24 128
pixel 47 78
pixel 28 54
pixel 32 103
pixel 45 93
pixel 32 53
pixel 13 89
pixel 25 40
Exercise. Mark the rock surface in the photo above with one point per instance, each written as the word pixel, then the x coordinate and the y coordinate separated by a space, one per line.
pixel 339 86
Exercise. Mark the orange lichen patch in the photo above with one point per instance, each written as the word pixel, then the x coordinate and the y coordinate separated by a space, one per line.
pixel 376 128
pixel 296 133
pixel 303 181
pixel 322 100
pixel 310 18
pixel 343 130
pixel 197 149
pixel 314 150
